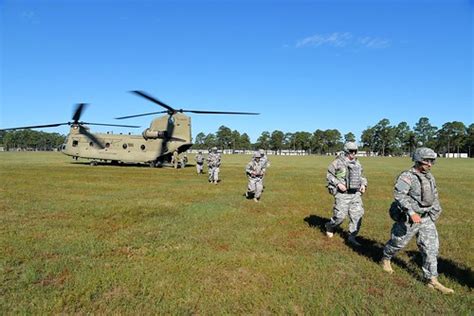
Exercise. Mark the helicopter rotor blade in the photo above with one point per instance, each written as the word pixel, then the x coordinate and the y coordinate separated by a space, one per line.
pixel 94 139
pixel 144 114
pixel 33 126
pixel 116 125
pixel 77 113
pixel 177 139
pixel 169 131
pixel 154 100
pixel 219 112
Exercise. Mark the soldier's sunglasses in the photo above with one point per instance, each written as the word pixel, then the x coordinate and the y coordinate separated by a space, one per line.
pixel 352 151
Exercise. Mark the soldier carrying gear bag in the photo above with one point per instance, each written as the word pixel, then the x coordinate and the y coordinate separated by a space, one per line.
pixel 345 181
pixel 415 211
pixel 213 165
pixel 255 171
pixel 199 162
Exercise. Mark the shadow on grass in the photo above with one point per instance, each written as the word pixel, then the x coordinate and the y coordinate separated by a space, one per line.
pixel 373 250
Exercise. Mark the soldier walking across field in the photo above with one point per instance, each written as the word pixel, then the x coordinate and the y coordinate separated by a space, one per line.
pixel 199 162
pixel 345 181
pixel 255 173
pixel 415 211
pixel 184 161
pixel 213 165
pixel 175 159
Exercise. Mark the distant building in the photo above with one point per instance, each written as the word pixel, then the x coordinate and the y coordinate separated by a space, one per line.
pixel 361 153
pixel 456 155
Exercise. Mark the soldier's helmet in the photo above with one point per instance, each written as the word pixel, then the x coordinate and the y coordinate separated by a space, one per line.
pixel 423 154
pixel 349 146
pixel 257 155
pixel 214 149
pixel 262 152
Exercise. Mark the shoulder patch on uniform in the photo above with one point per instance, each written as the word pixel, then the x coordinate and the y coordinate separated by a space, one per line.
pixel 405 178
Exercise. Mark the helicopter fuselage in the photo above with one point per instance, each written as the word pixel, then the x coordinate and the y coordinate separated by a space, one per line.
pixel 157 143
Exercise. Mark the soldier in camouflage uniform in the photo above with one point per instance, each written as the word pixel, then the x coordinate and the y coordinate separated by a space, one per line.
pixel 415 211
pixel 255 172
pixel 213 164
pixel 199 162
pixel 347 184
pixel 175 159
pixel 184 161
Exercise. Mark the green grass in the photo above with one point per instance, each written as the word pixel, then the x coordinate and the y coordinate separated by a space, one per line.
pixel 111 239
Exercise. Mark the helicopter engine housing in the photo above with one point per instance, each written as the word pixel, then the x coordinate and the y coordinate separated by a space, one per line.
pixel 151 134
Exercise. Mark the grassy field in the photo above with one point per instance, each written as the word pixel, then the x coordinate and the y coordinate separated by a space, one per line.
pixel 136 240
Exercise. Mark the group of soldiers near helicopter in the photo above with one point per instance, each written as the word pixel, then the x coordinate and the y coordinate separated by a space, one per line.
pixel 414 210
pixel 255 170
pixel 213 164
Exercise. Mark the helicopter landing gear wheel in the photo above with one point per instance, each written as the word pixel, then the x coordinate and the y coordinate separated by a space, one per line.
pixel 152 164
pixel 93 163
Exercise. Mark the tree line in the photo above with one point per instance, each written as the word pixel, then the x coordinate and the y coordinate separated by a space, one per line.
pixel 381 139
pixel 31 140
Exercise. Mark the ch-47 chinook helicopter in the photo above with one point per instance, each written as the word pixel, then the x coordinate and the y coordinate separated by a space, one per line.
pixel 166 134
pixel 155 146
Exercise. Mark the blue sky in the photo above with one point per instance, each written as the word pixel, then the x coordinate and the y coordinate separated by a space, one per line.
pixel 304 65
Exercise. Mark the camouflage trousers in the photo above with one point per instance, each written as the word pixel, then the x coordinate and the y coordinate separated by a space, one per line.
pixel 426 240
pixel 199 168
pixel 347 204
pixel 213 174
pixel 255 186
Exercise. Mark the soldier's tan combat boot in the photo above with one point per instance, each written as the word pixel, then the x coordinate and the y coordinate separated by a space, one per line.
pixel 329 231
pixel 434 284
pixel 387 266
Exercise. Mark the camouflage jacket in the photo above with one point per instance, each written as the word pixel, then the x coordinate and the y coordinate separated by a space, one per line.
pixel 416 192
pixel 214 160
pixel 255 169
pixel 338 172
pixel 199 159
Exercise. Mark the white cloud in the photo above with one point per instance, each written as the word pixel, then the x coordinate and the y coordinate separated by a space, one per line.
pixel 371 42
pixel 333 39
pixel 29 17
pixel 345 39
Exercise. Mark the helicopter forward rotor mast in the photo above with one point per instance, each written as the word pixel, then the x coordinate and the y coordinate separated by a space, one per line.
pixel 77 127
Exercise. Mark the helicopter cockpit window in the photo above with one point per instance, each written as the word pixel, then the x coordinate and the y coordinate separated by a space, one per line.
pixel 75 143
pixel 124 146
pixel 142 147
pixel 107 145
